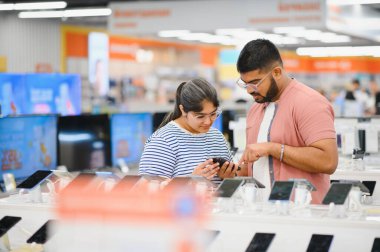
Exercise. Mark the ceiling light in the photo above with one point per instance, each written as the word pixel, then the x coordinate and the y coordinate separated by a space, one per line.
pixel 353 2
pixel 40 6
pixel 87 12
pixel 6 7
pixel 195 36
pixel 335 39
pixel 66 13
pixel 373 51
pixel 172 33
pixel 290 29
pixel 231 32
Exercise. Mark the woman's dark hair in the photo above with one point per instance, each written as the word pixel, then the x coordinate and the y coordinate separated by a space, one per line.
pixel 190 95
pixel 350 96
pixel 258 54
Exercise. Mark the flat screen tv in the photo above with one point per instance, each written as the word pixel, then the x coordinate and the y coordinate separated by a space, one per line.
pixel 52 93
pixel 28 144
pixel 129 133
pixel 84 142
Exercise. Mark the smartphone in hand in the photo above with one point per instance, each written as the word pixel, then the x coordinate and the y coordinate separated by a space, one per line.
pixel 221 161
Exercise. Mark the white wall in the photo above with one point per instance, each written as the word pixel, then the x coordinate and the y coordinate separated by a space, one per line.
pixel 27 42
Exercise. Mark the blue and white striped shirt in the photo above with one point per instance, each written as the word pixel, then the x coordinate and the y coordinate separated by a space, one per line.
pixel 174 152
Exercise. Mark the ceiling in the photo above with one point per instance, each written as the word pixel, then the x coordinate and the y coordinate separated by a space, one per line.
pixel 101 22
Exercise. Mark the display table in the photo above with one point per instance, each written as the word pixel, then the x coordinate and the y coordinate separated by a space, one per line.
pixel 292 233
pixel 238 227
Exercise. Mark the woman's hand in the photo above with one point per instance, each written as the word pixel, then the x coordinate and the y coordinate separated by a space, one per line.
pixel 228 170
pixel 207 169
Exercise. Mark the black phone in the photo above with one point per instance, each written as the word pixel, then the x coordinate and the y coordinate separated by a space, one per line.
pixel 7 222
pixel 376 245
pixel 337 193
pixel 35 179
pixel 234 151
pixel 281 190
pixel 260 242
pixel 41 235
pixel 320 243
pixel 228 187
pixel 221 161
pixel 211 235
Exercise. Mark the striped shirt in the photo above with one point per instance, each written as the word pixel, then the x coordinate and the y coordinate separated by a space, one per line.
pixel 174 152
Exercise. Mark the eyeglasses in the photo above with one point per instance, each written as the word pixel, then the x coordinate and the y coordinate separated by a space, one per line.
pixel 212 115
pixel 245 85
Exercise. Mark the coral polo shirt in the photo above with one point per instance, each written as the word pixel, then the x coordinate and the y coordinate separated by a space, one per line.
pixel 302 117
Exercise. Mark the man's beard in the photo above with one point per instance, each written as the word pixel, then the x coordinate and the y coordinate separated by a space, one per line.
pixel 271 94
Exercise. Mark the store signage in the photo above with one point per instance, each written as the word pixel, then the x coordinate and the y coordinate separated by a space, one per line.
pixel 3 64
pixel 151 17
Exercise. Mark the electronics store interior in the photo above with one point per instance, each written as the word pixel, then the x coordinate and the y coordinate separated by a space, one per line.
pixel 145 125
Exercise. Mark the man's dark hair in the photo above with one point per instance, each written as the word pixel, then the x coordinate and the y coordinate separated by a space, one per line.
pixel 258 54
pixel 356 81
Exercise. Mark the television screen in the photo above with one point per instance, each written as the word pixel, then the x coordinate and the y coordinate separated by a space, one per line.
pixel 129 133
pixel 84 142
pixel 218 123
pixel 158 117
pixel 12 93
pixel 28 144
pixel 52 93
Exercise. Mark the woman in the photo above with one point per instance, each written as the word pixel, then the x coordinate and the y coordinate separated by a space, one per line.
pixel 185 142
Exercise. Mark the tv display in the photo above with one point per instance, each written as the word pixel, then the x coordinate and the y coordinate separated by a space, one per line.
pixel 28 144
pixel 84 142
pixel 52 93
pixel 129 133
pixel 218 123
pixel 12 94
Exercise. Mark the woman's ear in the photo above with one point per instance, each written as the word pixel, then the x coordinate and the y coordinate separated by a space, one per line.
pixel 183 113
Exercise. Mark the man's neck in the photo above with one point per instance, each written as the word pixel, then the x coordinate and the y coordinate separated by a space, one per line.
pixel 282 84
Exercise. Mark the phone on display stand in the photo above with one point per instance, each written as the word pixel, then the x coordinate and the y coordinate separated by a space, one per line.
pixel 376 245
pixel 7 222
pixel 41 235
pixel 337 193
pixel 320 243
pixel 260 242
pixel 281 190
pixel 228 187
pixel 35 179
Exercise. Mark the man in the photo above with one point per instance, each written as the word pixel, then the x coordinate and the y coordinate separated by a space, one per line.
pixel 290 128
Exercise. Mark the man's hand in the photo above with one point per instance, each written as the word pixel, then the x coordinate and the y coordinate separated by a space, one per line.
pixel 228 170
pixel 253 152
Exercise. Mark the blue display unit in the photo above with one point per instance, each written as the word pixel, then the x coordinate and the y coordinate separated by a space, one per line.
pixel 129 133
pixel 12 94
pixel 40 94
pixel 218 123
pixel 27 144
pixel 53 93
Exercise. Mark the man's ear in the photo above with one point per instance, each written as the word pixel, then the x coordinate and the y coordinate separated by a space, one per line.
pixel 277 73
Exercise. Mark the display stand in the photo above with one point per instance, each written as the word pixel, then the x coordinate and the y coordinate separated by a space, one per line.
pixel 4 243
pixel 35 195
pixel 226 205
pixel 337 211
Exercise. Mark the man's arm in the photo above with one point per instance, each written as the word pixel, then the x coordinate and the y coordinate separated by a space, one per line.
pixel 320 157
